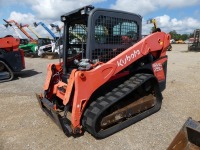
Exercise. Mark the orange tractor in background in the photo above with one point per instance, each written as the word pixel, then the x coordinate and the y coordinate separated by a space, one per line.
pixel 109 78
pixel 179 42
pixel 11 58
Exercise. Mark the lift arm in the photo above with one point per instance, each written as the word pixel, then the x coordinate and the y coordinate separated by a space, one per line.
pixel 57 28
pixel 46 28
pixel 152 21
pixel 17 32
pixel 10 24
pixel 32 30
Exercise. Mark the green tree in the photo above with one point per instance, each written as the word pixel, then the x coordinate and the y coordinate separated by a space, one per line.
pixel 173 34
pixel 176 36
pixel 191 35
pixel 184 37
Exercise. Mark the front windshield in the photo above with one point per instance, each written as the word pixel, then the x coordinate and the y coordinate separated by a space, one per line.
pixel 112 36
pixel 109 30
pixel 77 38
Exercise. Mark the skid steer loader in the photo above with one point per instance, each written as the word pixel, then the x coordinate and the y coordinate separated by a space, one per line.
pixel 109 79
pixel 11 58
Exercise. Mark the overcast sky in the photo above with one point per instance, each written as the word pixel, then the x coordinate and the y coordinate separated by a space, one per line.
pixel 180 15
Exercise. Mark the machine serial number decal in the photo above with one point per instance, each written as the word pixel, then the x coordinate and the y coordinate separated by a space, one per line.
pixel 128 58
pixel 157 67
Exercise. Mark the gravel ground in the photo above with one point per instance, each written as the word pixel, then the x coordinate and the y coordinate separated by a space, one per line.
pixel 24 126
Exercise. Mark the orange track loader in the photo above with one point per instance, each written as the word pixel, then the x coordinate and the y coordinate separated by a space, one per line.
pixel 11 58
pixel 108 79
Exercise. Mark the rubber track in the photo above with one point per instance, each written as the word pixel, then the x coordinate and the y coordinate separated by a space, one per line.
pixel 96 108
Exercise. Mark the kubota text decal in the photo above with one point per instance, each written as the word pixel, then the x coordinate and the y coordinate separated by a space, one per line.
pixel 128 58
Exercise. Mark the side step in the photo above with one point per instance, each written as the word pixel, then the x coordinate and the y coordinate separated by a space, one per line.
pixel 188 137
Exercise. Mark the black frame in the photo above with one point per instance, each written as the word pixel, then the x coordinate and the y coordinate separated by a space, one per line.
pixel 94 14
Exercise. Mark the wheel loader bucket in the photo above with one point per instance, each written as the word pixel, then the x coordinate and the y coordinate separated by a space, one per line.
pixel 188 137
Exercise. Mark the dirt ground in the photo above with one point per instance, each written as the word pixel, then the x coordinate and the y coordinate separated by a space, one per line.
pixel 23 125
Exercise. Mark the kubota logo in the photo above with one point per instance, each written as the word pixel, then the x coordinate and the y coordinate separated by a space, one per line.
pixel 128 58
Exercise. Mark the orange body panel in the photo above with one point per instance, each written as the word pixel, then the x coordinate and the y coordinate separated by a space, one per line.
pixel 9 43
pixel 158 69
pixel 48 77
pixel 69 87
pixel 85 85
pixel 150 44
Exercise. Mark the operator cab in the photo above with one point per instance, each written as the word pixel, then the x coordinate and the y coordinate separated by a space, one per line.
pixel 98 35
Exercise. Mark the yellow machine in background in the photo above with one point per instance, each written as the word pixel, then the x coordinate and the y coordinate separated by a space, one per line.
pixel 180 42
pixel 153 21
pixel 156 29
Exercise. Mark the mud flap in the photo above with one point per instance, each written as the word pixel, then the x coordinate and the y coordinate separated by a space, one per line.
pixel 188 137
pixel 62 122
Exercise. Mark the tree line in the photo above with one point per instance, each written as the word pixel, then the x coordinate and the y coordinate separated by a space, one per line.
pixel 176 36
